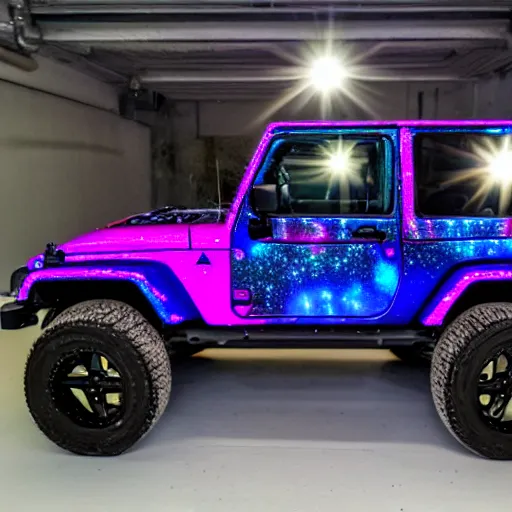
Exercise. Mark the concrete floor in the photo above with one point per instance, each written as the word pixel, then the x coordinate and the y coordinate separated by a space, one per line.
pixel 259 431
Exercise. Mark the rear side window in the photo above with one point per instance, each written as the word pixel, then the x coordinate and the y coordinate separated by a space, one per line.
pixel 332 176
pixel 463 174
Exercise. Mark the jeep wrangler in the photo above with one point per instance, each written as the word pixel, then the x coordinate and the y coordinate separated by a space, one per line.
pixel 390 235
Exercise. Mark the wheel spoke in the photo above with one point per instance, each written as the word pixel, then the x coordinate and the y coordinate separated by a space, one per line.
pixel 95 362
pixel 507 354
pixel 77 382
pixel 111 385
pixel 89 389
pixel 498 412
pixel 97 402
pixel 490 387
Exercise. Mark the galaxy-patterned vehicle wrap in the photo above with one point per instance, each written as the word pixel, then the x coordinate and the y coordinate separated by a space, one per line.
pixel 311 270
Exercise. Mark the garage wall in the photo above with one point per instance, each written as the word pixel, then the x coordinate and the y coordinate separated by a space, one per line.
pixel 65 168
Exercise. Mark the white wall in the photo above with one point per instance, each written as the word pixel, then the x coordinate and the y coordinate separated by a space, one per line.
pixel 61 80
pixel 65 168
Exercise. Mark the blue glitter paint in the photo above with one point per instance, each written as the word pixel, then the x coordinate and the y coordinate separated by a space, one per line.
pixel 426 264
pixel 311 267
pixel 313 271
pixel 326 230
pixel 386 277
pixel 441 229
pixel 296 275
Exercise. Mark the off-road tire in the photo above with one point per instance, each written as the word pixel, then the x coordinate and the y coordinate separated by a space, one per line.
pixel 414 355
pixel 457 362
pixel 131 343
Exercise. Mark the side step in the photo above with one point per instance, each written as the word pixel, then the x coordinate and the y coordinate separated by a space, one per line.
pixel 308 337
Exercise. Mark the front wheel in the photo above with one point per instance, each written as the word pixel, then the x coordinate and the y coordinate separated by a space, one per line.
pixel 471 379
pixel 98 378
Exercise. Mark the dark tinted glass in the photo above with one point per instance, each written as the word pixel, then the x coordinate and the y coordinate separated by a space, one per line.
pixel 332 176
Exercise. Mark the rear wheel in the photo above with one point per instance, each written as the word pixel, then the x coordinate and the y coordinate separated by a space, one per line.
pixel 98 378
pixel 471 379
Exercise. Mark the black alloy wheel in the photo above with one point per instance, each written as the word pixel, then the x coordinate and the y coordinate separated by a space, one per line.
pixel 88 389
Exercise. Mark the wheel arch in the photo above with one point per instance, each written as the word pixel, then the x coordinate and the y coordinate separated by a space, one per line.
pixel 478 293
pixel 155 292
pixel 465 288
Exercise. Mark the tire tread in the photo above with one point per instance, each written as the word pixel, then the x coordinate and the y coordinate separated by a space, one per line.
pixel 457 338
pixel 118 318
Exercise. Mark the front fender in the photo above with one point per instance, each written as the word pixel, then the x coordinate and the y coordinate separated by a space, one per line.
pixel 452 289
pixel 156 282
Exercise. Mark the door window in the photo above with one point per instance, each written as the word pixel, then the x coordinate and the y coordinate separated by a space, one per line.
pixel 331 176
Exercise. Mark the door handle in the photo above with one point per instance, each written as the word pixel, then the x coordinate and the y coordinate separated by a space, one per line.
pixel 369 233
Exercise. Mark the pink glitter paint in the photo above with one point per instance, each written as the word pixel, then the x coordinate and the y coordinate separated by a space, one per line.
pixel 443 306
pixel 130 238
pixel 200 281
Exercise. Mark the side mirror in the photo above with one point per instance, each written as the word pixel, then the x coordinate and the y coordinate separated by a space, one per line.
pixel 264 198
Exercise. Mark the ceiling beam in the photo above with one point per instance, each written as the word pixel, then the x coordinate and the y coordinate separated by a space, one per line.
pixel 91 32
pixel 73 7
pixel 283 78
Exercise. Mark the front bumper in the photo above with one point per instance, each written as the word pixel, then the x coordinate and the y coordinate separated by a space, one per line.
pixel 15 315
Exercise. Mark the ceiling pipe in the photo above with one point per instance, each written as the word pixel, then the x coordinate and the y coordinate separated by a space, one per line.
pixel 26 35
pixel 67 32
pixel 6 28
pixel 332 10
pixel 13 32
pixel 197 3
pixel 226 6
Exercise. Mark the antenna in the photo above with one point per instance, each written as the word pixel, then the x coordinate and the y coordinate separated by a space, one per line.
pixel 218 185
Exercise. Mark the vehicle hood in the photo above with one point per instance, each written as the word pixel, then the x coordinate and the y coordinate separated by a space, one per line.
pixel 125 239
pixel 168 228
pixel 169 215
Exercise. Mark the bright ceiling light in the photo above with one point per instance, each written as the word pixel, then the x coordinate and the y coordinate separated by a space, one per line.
pixel 500 167
pixel 326 74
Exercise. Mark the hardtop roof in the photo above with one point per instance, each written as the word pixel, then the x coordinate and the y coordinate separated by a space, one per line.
pixel 466 123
